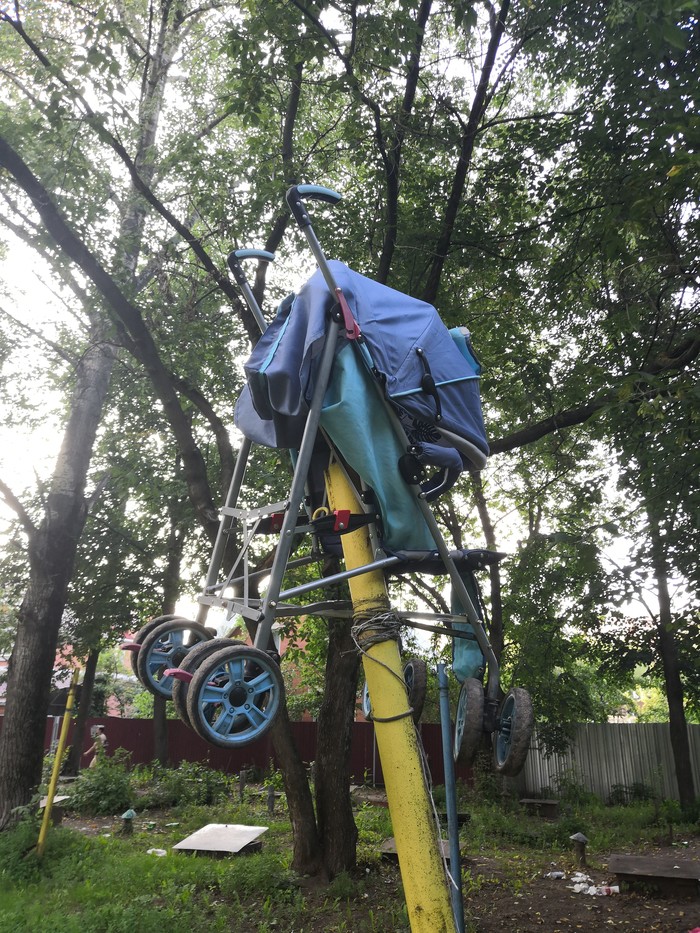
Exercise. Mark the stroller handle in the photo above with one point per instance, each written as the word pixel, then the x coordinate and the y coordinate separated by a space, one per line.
pixel 297 193
pixel 234 265
pixel 253 254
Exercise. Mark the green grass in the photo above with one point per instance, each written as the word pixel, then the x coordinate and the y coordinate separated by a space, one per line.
pixel 110 884
pixel 96 883
pixel 92 884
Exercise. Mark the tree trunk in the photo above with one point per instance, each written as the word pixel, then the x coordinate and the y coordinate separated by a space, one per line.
pixel 160 729
pixel 336 824
pixel 668 649
pixel 496 621
pixel 171 593
pixel 75 754
pixel 306 854
pixel 52 550
pixel 468 141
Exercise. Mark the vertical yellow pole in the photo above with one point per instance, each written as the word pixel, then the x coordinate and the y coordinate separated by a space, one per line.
pixel 62 740
pixel 420 859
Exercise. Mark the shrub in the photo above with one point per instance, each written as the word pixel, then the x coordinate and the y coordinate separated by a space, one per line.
pixel 571 791
pixel 104 788
pixel 190 783
pixel 622 795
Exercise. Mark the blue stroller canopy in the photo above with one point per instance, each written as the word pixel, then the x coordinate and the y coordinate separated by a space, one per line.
pixel 404 339
pixel 428 373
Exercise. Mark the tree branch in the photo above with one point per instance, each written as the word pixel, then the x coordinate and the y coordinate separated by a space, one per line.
pixel 57 349
pixel 129 316
pixel 96 122
pixel 223 442
pixel 465 157
pixel 395 145
pixel 13 502
pixel 558 422
pixel 683 356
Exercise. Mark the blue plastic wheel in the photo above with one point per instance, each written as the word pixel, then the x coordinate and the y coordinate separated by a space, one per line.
pixel 194 657
pixel 139 637
pixel 165 647
pixel 469 721
pixel 511 740
pixel 234 696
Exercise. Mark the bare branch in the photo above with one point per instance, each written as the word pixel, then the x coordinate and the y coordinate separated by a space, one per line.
pixel 11 500
pixel 476 113
pixel 52 345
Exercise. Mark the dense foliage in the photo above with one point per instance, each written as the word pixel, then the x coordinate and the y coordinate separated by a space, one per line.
pixel 533 169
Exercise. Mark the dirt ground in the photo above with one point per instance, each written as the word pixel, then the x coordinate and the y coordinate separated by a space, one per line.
pixel 538 903
pixel 510 893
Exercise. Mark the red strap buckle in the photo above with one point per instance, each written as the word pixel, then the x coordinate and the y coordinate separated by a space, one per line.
pixel 352 328
pixel 342 519
pixel 276 521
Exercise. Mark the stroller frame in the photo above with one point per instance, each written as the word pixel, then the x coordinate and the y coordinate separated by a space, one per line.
pixel 230 693
pixel 263 613
pixel 184 661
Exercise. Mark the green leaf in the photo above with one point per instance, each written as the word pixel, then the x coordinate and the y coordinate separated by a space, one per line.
pixel 674 36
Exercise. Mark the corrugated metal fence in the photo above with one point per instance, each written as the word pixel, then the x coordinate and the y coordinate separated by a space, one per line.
pixel 605 754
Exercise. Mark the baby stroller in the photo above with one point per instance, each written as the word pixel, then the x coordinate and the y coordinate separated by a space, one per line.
pixel 354 374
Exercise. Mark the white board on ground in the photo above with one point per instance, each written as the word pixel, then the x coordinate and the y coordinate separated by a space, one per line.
pixel 221 837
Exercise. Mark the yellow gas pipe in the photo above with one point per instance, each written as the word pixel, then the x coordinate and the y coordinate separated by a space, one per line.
pixel 58 760
pixel 420 859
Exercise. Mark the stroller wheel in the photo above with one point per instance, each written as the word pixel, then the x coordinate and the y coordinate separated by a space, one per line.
pixel 469 721
pixel 511 740
pixel 366 703
pixel 165 647
pixel 142 633
pixel 191 662
pixel 234 696
pixel 415 673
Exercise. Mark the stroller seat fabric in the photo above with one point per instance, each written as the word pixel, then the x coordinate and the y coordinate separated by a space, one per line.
pixel 428 373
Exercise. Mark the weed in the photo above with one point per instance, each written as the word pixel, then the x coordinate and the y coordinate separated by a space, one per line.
pixel 342 887
pixel 625 794
pixel 373 827
pixel 273 778
pixel 569 788
pixel 104 788
pixel 189 783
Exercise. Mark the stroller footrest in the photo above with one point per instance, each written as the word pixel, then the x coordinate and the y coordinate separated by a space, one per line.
pixel 431 562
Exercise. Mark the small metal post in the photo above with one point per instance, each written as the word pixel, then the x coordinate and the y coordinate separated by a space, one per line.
pixel 128 822
pixel 58 760
pixel 242 778
pixel 580 841
pixel 270 799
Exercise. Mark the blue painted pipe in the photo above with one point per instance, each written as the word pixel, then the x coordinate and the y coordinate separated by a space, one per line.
pixel 451 800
